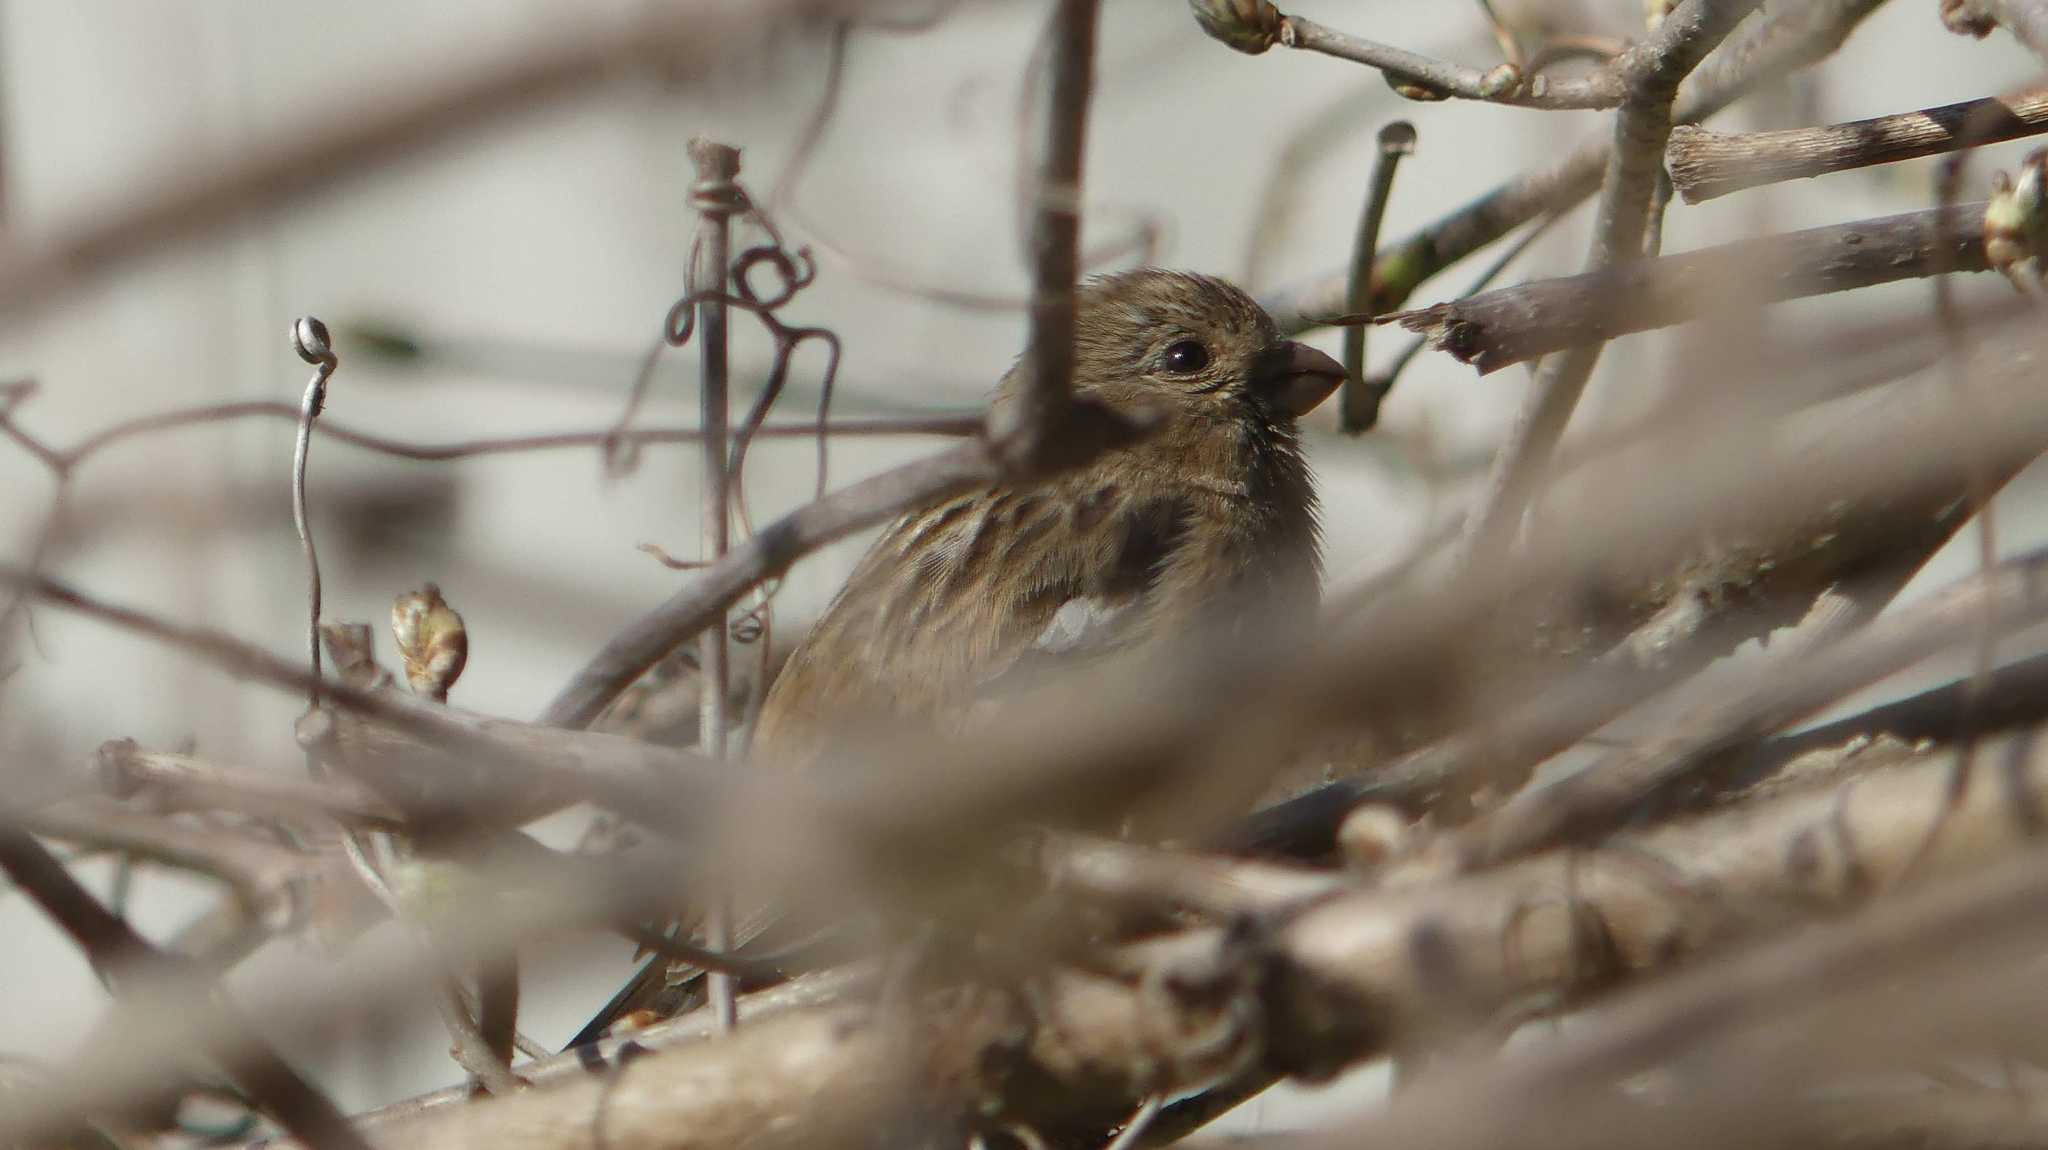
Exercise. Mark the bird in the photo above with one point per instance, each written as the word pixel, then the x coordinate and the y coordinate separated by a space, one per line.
pixel 1209 516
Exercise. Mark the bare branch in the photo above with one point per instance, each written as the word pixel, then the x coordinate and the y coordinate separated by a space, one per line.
pixel 1794 34
pixel 2027 20
pixel 1512 325
pixel 1420 77
pixel 112 944
pixel 184 783
pixel 769 553
pixel 260 873
pixel 386 123
pixel 1706 164
pixel 1359 401
pixel 1860 958
pixel 1596 799
pixel 1048 366
pixel 1650 76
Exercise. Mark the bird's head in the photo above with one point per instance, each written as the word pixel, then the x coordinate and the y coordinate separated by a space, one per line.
pixel 1196 346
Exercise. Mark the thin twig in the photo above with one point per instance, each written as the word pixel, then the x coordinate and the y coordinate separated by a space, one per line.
pixel 1651 74
pixel 111 943
pixel 392 120
pixel 1359 403
pixel 1046 395
pixel 943 425
pixel 1420 77
pixel 183 783
pixel 260 873
pixel 1589 803
pixel 1383 382
pixel 1793 36
pixel 2027 20
pixel 1130 1137
pixel 1964 419
pixel 768 554
pixel 471 1049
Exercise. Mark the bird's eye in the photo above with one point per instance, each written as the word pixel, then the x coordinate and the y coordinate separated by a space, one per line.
pixel 1187 357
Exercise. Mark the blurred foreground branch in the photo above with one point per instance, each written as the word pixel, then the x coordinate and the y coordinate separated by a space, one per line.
pixel 386 123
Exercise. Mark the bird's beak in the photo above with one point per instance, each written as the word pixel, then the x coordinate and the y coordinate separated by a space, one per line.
pixel 1305 377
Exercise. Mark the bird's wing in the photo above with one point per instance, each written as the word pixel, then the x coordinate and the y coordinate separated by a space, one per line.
pixel 960 597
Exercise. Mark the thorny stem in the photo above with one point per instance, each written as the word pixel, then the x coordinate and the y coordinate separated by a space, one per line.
pixel 1359 402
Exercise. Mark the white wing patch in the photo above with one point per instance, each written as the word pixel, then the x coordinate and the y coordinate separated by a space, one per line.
pixel 1080 625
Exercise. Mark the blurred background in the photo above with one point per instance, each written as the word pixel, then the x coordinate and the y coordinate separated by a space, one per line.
pixel 515 276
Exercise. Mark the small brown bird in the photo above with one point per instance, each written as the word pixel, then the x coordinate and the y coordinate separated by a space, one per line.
pixel 1215 510
pixel 1213 513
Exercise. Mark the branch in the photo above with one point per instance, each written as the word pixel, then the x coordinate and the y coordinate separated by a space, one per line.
pixel 1595 800
pixel 1651 74
pixel 184 783
pixel 768 554
pixel 1135 742
pixel 1420 77
pixel 1032 436
pixel 1705 164
pixel 111 944
pixel 1737 576
pixel 483 766
pixel 1358 404
pixel 260 873
pixel 1638 904
pixel 1856 965
pixel 384 124
pixel 467 448
pixel 2027 20
pixel 1513 325
pixel 1336 984
pixel 806 992
pixel 1794 35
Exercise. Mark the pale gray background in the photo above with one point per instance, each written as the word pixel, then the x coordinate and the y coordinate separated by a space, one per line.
pixel 541 256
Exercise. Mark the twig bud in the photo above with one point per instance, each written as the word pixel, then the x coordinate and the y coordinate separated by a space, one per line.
pixel 2016 222
pixel 431 639
pixel 1250 26
pixel 1965 18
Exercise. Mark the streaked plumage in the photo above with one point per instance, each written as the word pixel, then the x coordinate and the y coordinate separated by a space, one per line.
pixel 1217 508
